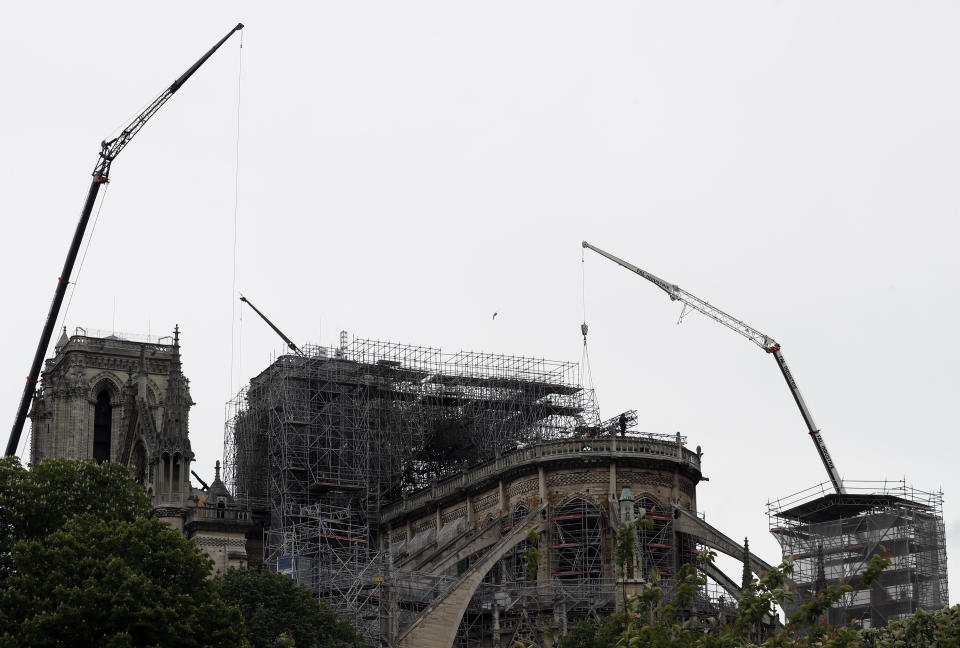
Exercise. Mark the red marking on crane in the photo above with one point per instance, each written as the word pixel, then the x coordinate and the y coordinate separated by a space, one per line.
pixel 62 280
pixel 814 431
pixel 31 380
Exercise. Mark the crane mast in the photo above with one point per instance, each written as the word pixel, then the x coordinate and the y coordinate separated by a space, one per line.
pixel 101 175
pixel 763 341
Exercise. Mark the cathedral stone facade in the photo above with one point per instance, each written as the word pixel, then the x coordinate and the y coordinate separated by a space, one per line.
pixel 115 399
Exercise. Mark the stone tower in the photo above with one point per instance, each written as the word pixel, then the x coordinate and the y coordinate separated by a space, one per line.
pixel 124 400
pixel 96 390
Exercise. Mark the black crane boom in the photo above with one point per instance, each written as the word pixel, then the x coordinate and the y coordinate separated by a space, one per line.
pixel 101 172
pixel 293 347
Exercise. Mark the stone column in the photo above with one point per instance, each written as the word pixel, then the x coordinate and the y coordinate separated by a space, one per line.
pixel 542 479
pixel 612 491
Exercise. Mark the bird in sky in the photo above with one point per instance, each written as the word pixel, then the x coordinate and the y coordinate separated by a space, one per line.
pixel 495 315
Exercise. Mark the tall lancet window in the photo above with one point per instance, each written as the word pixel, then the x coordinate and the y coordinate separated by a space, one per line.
pixel 138 461
pixel 102 422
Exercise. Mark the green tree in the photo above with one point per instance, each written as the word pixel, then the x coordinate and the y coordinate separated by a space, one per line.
pixel 531 555
pixel 590 634
pixel 920 630
pixel 274 606
pixel 652 623
pixel 83 565
pixel 37 502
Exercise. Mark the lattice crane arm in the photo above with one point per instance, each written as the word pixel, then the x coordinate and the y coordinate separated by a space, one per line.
pixel 101 175
pixel 763 341
pixel 110 150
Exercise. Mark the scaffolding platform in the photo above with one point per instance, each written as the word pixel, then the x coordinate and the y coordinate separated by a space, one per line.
pixel 832 536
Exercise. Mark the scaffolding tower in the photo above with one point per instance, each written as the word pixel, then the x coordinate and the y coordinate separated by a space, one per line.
pixel 577 541
pixel 318 442
pixel 657 551
pixel 831 538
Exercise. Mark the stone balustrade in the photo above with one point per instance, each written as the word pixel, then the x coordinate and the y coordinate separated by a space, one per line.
pixel 603 448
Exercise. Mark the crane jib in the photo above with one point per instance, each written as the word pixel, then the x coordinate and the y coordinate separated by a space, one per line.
pixel 763 341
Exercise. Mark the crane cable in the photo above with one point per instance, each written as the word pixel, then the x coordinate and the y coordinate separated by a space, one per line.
pixel 585 355
pixel 83 257
pixel 236 209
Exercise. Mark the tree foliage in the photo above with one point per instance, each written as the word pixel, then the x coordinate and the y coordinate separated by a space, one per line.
pixel 651 622
pixel 113 583
pixel 921 630
pixel 275 607
pixel 37 502
pixel 81 564
pixel 531 555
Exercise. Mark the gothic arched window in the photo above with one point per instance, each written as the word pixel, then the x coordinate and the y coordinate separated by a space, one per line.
pixel 139 463
pixel 577 541
pixel 517 560
pixel 176 471
pixel 102 426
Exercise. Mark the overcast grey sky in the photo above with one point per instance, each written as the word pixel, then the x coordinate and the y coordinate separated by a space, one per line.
pixel 408 168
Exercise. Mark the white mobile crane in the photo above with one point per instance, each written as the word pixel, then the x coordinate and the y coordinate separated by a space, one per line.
pixel 765 342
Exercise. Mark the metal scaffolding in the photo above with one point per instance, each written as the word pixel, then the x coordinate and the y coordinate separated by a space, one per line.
pixel 317 443
pixel 576 547
pixel 832 537
pixel 658 553
pixel 512 566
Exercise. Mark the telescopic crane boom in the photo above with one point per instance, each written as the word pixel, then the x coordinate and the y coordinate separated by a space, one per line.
pixel 765 342
pixel 293 347
pixel 101 175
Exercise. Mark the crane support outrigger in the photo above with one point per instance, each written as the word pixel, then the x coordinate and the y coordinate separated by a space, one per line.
pixel 765 342
pixel 101 175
